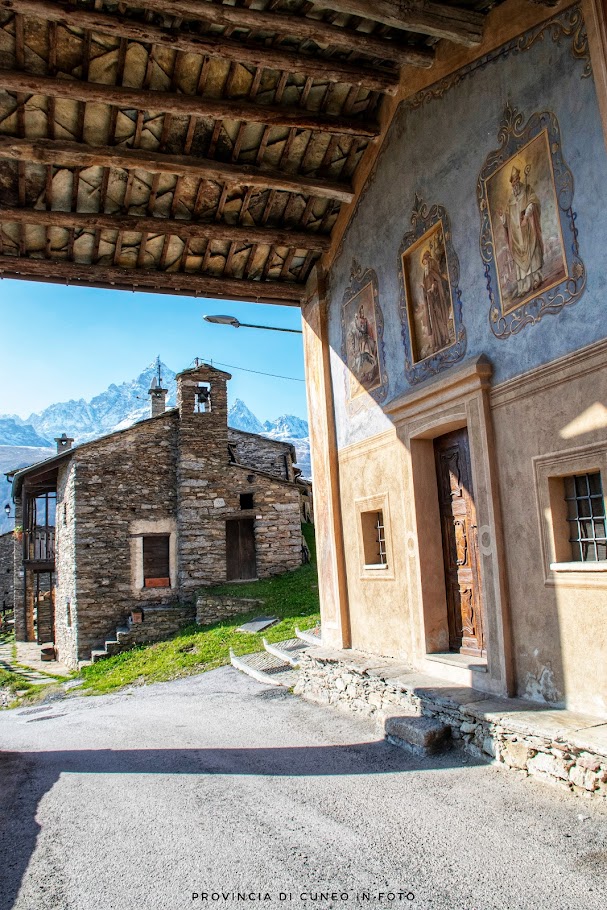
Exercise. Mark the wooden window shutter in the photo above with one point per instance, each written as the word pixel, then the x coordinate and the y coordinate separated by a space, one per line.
pixel 156 561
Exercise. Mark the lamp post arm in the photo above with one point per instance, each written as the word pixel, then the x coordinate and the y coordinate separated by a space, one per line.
pixel 271 328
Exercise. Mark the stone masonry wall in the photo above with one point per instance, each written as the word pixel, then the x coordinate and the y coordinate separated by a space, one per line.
pixel 212 608
pixel 267 455
pixel 118 480
pixel 7 571
pixel 485 728
pixel 66 603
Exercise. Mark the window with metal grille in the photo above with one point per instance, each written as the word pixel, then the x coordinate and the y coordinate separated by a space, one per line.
pixel 374 538
pixel 156 573
pixel 586 517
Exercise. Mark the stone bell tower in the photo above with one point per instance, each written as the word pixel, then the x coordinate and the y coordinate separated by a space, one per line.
pixel 202 474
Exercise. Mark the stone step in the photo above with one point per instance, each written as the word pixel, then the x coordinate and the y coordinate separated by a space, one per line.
pixel 309 637
pixel 113 647
pixel 265 668
pixel 286 651
pixel 417 733
pixel 98 654
pixel 121 631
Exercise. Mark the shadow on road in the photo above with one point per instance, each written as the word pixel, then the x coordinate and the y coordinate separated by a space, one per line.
pixel 25 777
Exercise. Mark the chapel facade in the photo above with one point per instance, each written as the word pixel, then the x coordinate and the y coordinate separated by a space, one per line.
pixel 456 350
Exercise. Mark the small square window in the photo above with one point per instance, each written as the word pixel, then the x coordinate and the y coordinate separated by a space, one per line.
pixel 586 517
pixel 246 501
pixel 374 538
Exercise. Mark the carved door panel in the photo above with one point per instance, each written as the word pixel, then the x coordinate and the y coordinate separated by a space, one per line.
pixel 460 544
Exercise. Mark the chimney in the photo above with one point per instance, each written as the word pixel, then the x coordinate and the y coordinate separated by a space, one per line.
pixel 158 397
pixel 63 443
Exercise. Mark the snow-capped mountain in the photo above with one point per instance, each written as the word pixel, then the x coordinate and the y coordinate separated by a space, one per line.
pixel 19 434
pixel 286 427
pixel 119 406
pixel 11 457
pixel 241 418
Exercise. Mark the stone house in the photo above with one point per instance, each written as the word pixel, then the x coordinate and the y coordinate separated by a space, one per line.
pixel 146 516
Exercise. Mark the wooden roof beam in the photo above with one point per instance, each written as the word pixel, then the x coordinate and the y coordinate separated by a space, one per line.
pixel 60 153
pixel 280 236
pixel 183 105
pixel 207 45
pixel 281 293
pixel 462 26
pixel 285 25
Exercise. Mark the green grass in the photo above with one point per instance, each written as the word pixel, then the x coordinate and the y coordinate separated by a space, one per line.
pixel 293 597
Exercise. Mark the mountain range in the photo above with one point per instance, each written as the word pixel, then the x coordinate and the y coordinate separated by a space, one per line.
pixel 25 441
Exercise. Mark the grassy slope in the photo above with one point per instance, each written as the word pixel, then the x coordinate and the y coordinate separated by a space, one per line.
pixel 292 596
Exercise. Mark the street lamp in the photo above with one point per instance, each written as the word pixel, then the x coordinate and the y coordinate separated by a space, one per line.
pixel 231 320
pixel 7 511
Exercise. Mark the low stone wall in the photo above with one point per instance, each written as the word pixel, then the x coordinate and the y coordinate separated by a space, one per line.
pixel 159 622
pixel 544 744
pixel 214 608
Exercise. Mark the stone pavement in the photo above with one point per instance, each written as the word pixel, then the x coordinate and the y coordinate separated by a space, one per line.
pixel 38 672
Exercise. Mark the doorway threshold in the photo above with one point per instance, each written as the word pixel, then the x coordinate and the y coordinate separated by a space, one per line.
pixel 462 661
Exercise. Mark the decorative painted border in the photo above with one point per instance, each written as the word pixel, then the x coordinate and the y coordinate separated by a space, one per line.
pixel 423 219
pixel 359 279
pixel 513 136
pixel 568 24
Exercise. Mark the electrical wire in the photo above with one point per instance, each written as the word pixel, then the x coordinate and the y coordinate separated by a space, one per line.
pixel 257 372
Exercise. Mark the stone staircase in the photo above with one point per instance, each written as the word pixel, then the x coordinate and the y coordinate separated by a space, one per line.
pixel 277 664
pixel 159 622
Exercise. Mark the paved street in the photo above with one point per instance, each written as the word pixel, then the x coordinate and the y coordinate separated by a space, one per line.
pixel 219 784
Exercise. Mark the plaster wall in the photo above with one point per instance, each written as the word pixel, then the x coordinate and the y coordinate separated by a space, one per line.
pixel 543 623
pixel 550 423
pixel 436 148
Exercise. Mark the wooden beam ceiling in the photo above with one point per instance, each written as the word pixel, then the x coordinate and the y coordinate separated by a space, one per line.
pixel 282 293
pixel 59 153
pixel 207 45
pixel 285 25
pixel 182 104
pixel 281 236
pixel 462 26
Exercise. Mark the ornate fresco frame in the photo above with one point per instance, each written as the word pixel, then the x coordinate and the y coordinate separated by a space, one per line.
pixel 423 220
pixel 360 278
pixel 514 136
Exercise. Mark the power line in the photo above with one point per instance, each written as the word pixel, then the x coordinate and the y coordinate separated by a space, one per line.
pixel 257 372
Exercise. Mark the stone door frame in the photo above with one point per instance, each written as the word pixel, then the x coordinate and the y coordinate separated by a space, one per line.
pixel 451 402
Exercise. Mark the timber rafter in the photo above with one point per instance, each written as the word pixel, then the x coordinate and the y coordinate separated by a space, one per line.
pixel 196 147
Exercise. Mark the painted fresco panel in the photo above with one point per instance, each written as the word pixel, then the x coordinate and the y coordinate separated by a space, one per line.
pixel 437 147
pixel 527 238
pixel 362 337
pixel 428 294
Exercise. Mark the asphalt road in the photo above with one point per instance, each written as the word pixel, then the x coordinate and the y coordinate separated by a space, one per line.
pixel 216 785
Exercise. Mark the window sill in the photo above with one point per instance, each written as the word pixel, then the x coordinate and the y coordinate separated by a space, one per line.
pixel 376 567
pixel 600 566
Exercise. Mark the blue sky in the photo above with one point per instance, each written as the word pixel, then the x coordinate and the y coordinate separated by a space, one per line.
pixel 64 342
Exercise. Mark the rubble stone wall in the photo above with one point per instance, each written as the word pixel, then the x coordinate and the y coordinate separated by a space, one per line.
pixel 212 608
pixel 559 759
pixel 267 455
pixel 7 571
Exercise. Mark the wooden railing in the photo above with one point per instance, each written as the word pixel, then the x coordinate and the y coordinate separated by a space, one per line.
pixel 40 545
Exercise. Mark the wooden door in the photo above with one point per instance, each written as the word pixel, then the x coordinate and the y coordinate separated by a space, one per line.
pixel 240 549
pixel 460 543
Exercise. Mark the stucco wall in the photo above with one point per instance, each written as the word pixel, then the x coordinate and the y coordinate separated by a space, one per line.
pixel 543 398
pixel 436 148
